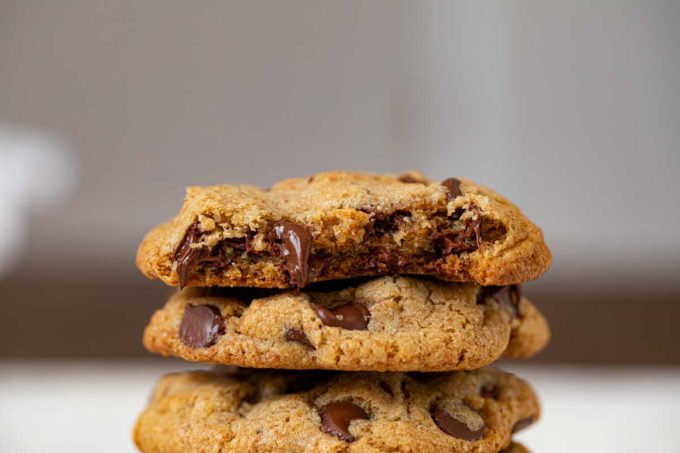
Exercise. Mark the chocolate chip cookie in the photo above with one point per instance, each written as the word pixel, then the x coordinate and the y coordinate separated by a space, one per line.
pixel 391 323
pixel 516 447
pixel 340 225
pixel 264 411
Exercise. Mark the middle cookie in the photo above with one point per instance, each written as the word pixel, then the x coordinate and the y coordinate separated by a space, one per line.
pixel 384 324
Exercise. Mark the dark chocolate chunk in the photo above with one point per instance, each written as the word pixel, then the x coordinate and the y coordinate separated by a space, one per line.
pixel 457 238
pixel 387 223
pixel 298 336
pixel 335 419
pixel 475 225
pixel 187 257
pixel 464 240
pixel 452 188
pixel 490 391
pixel 409 179
pixel 523 423
pixel 317 265
pixel 350 316
pixel 453 427
pixel 201 325
pixel 509 295
pixel 297 244
pixel 240 244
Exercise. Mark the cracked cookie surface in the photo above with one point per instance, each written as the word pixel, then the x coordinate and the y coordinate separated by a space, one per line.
pixel 341 225
pixel 391 323
pixel 270 411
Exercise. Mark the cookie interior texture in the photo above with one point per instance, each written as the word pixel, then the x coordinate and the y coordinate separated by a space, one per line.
pixel 342 225
pixel 272 411
pixel 391 323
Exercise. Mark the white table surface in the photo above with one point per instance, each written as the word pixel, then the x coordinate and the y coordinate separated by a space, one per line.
pixel 85 406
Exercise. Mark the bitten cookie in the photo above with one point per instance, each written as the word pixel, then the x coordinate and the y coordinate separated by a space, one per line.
pixel 341 225
pixel 391 323
pixel 266 411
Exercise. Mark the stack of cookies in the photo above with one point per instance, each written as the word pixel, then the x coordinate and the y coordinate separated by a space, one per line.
pixel 348 312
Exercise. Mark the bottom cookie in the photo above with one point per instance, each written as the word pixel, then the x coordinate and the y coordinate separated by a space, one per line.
pixel 273 411
pixel 515 448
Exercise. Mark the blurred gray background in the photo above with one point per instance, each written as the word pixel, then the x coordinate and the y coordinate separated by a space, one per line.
pixel 108 109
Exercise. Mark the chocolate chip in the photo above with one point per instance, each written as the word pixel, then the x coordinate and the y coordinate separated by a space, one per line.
pixel 509 295
pixel 456 238
pixel 386 387
pixel 381 224
pixel 298 336
pixel 297 244
pixel 456 428
pixel 184 255
pixel 350 316
pixel 523 423
pixel 187 257
pixel 201 325
pixel 452 188
pixel 335 419
pixel 410 179
pixel 317 265
pixel 490 391
pixel 456 241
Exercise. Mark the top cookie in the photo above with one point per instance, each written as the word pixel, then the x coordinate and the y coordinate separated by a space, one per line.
pixel 340 225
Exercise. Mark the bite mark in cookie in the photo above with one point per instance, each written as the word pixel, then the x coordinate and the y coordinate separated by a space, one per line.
pixel 188 257
pixel 291 246
pixel 344 225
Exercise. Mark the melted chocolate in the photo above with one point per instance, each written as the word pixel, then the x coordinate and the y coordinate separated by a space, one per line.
pixel 298 336
pixel 336 417
pixel 187 257
pixel 454 427
pixel 349 316
pixel 201 325
pixel 452 188
pixel 296 247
